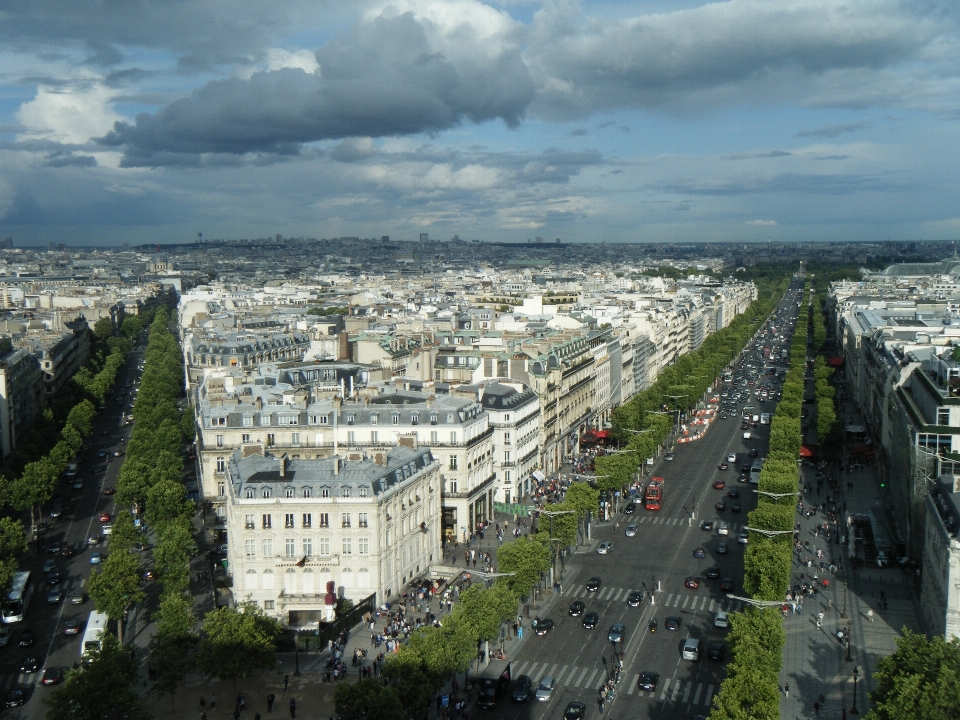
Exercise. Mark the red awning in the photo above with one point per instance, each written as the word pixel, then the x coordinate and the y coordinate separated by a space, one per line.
pixel 835 361
pixel 601 434
pixel 807 451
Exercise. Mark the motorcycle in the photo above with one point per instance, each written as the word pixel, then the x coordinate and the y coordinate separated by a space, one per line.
pixel 653 625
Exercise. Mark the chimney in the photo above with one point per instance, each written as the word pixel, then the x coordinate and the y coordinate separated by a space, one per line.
pixel 480 389
pixel 336 465
pixel 283 466
pixel 251 449
pixel 259 403
pixel 407 440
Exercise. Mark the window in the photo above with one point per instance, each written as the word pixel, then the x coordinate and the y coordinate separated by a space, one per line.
pixel 249 522
pixel 267 548
pixel 245 438
pixel 453 462
pixel 349 419
pixel 389 537
pixel 434 436
pixel 289 547
pixel 351 437
pixel 248 422
pixel 324 546
pixel 267 493
pixel 323 520
pixel 323 420
pixel 506 456
pixel 288 520
pixel 324 492
pixel 294 438
pixel 267 521
pixel 506 418
pixel 348 546
pixel 250 580
pixel 289 492
pixel 221 488
pixel 452 486
pixel 374 419
pixel 250 493
pixel 395 419
pixel 506 438
pixel 345 520
pixel 250 548
pixel 270 439
pixel 307 520
pixel 434 418
pixel 453 437
pixel 308 547
pixel 346 492
pixel 306 492
pixel 219 441
pixel 373 436
pixel 218 422
pixel 363 492
pixel 414 419
pixel 268 604
pixel 221 464
pixel 361 520
pixel 363 546
pixel 943 416
pixel 506 477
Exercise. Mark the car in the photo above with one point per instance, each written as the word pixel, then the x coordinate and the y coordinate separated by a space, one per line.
pixel 631 531
pixel 109 490
pixel 53 675
pixel 106 529
pixel 593 584
pixel 54 547
pixel 149 575
pixel 118 453
pixel 49 565
pixel 27 637
pixel 723 529
pixel 720 506
pixel 719 485
pixel 648 681
pixel 53 576
pixel 706 525
pixel 753 452
pixel 745 426
pixel 17 696
pixel 576 609
pixel 541 626
pixel 746 435
pixel 691 581
pixel 735 508
pixel 101 453
pixel 629 508
pixel 54 595
pixel 56 511
pixel 78 598
pixel 30 664
pixel 575 711
pixel 143 547
pixel 673 623
pixel 635 598
pixel 523 689
pixel 722 548
pixel 743 537
pixel 95 558
pixel 4 635
pixel 723 466
pixel 721 620
pixel 699 553
pixel 67 551
pixel 716 651
pixel 545 688
pixel 616 632
pixel 219 550
pixel 732 458
pixel 713 572
pixel 726 584
pixel 605 547
pixel 104 517
pixel 668 456
pixel 590 620
pixel 72 627
pixel 733 493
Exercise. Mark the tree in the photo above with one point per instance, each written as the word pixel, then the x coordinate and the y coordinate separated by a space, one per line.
pixel 13 541
pixel 237 642
pixel 369 698
pixel 116 586
pixel 104 688
pixel 404 674
pixel 527 559
pixel 920 680
pixel 166 501
pixel 172 648
pixel 584 500
pixel 131 326
pixel 482 610
pixel 441 651
pixel 103 328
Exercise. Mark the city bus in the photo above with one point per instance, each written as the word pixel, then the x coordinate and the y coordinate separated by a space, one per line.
pixel 18 598
pixel 96 626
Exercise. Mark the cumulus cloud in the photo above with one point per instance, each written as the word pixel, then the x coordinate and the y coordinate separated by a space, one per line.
pixel 391 75
pixel 69 115
pixel 353 149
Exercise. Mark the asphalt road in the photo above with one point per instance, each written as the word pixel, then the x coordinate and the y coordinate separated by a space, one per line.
pixel 78 522
pixel 661 552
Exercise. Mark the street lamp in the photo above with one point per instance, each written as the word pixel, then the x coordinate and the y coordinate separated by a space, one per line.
pixel 849 658
pixel 853 710
pixel 769 533
pixel 296 672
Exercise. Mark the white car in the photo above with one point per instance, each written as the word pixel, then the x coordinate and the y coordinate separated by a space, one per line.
pixel 631 531
pixel 723 529
pixel 605 547
pixel 545 688
pixel 743 538
pixel 732 458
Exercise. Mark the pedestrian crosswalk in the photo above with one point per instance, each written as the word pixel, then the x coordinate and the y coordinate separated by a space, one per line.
pixel 574 676
pixel 689 600
pixel 664 520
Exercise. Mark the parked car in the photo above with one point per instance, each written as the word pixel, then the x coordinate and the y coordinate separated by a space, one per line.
pixel 17 696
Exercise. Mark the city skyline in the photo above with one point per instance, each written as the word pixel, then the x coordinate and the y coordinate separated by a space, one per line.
pixel 670 121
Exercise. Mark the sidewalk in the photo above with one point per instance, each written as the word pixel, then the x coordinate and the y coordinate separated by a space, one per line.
pixel 814 660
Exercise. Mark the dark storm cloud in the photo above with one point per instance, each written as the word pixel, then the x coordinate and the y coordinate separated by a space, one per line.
pixel 120 78
pixel 70 160
pixel 353 150
pixel 832 131
pixel 383 79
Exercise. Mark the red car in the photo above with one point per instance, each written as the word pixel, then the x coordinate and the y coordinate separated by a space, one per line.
pixel 719 485
pixel 104 517
pixel 721 506
pixel 109 491
pixel 692 582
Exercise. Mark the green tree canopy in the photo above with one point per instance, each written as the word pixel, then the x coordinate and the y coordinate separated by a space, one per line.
pixel 368 699
pixel 237 642
pixel 527 559
pixel 116 585
pixel 921 680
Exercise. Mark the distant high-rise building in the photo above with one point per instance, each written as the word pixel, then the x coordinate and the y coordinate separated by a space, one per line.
pixel 384 238
pixel 424 237
pixel 279 237
pixel 558 241
pixel 7 244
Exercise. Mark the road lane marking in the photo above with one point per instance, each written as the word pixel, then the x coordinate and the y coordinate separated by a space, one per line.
pixel 686 601
pixel 669 597
pixel 665 689
pixel 633 684
pixel 580 679
pixel 532 671
pixel 619 593
pixel 589 683
pixel 553 671
pixel 709 696
pixel 713 606
pixel 573 671
pixel 676 691
pixel 703 605
pixel 686 691
pixel 696 695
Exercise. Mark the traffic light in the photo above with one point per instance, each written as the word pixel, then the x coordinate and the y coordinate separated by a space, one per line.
pixel 883 484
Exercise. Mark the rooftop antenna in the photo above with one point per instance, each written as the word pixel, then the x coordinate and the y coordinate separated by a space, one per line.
pixel 200 237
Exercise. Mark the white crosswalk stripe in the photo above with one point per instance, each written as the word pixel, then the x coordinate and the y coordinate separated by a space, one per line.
pixel 573 672
pixel 553 671
pixel 669 598
pixel 713 606
pixel 677 601
pixel 589 683
pixel 676 691
pixel 619 593
pixel 686 601
pixel 696 695
pixel 580 679
pixel 703 604
pixel 686 691
pixel 602 680
pixel 674 521
pixel 709 696
pixel 633 684
pixel 665 688
pixel 522 666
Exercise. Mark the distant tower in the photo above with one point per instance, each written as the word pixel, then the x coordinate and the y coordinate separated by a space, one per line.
pixel 200 237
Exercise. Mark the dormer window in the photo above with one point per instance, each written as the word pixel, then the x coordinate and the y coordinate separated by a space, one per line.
pixel 433 418
pixel 290 492
pixel 324 492
pixel 349 419
pixel 250 493
pixel 218 422
pixel 346 492
pixel 266 493
pixel 414 419
pixel 306 492
pixel 374 418
pixel 395 419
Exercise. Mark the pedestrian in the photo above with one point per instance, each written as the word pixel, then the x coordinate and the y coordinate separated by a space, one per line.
pixel 256 715
pixel 213 702
pixel 241 702
pixel 203 703
pixel 271 698
pixel 816 709
pixel 870 614
pixel 293 707
pixel 203 715
pixel 236 713
pixel 786 690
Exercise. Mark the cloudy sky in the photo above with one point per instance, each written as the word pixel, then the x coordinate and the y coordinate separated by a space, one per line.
pixel 648 120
